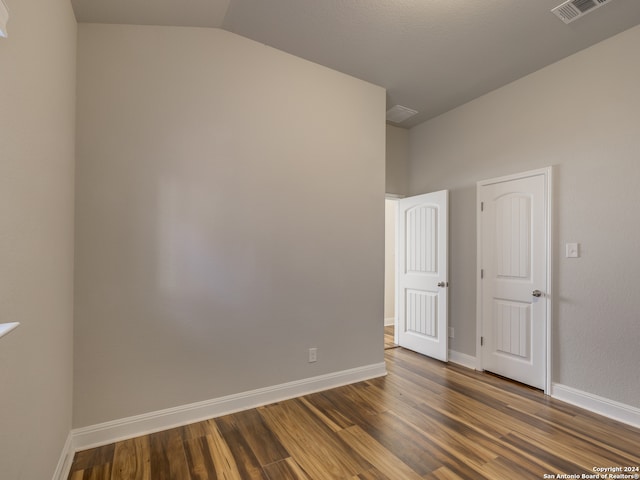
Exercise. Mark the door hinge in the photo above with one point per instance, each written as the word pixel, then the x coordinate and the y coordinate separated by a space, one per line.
pixel 482 273
pixel 482 206
pixel 482 341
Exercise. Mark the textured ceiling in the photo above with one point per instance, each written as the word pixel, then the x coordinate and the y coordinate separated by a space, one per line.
pixel 430 55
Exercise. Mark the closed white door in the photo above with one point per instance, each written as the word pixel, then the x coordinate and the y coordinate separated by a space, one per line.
pixel 421 280
pixel 513 235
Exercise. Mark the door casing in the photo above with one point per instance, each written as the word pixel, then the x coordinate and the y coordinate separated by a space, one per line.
pixel 547 172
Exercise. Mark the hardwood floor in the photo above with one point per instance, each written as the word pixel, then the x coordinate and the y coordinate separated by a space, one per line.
pixel 425 420
pixel 388 337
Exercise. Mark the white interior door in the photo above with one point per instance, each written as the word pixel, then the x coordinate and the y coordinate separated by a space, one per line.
pixel 513 253
pixel 421 280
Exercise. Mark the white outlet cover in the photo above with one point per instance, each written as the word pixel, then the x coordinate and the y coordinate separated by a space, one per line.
pixel 313 355
pixel 572 250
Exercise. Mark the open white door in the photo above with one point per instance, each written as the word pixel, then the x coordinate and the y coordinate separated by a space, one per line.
pixel 514 289
pixel 421 280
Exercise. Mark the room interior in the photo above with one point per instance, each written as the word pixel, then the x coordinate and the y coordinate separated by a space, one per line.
pixel 192 198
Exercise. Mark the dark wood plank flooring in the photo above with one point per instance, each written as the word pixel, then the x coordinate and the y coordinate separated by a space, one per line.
pixel 425 420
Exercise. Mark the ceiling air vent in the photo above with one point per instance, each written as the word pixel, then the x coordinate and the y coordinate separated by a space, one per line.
pixel 574 9
pixel 398 114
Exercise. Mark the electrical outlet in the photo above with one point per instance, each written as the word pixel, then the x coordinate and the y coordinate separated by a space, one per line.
pixel 313 355
pixel 451 332
pixel 572 250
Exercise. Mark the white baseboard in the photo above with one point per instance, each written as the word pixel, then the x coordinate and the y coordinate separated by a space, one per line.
pixel 594 403
pixel 130 427
pixel 462 359
pixel 389 321
pixel 66 458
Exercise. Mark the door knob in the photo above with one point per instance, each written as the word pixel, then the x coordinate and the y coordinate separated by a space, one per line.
pixel 442 284
pixel 536 293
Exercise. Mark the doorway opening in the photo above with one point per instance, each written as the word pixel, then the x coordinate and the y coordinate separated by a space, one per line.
pixel 390 208
pixel 420 292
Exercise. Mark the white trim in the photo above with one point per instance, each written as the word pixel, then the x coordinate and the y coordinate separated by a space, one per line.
pixel 396 272
pixel 479 291
pixel 124 428
pixel 600 405
pixel 515 176
pixel 389 321
pixel 66 459
pixel 7 327
pixel 4 18
pixel 547 172
pixel 462 359
pixel 549 186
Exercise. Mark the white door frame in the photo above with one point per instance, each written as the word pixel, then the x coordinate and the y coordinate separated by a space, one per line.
pixel 548 177
pixel 394 196
pixel 393 200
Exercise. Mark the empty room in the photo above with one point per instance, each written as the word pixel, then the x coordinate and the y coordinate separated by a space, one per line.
pixel 302 239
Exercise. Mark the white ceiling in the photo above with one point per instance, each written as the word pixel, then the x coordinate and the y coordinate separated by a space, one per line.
pixel 430 55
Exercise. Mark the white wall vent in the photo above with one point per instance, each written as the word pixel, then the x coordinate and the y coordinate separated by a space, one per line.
pixel 573 9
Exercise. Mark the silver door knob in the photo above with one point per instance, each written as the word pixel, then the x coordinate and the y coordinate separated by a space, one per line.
pixel 536 293
pixel 441 284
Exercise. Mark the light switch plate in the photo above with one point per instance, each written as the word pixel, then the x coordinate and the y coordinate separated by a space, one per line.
pixel 572 250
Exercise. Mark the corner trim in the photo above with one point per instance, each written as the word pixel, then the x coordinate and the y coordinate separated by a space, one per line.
pixel 129 427
pixel 600 405
pixel 463 359
pixel 66 459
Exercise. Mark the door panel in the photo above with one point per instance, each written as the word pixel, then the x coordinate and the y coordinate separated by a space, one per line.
pixel 421 313
pixel 513 228
pixel 513 235
pixel 422 247
pixel 422 274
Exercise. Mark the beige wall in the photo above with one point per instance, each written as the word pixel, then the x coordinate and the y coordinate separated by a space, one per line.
pixel 581 116
pixel 397 160
pixel 37 108
pixel 230 215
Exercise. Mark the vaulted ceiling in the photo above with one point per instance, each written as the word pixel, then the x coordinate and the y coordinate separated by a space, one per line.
pixel 430 55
